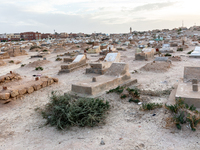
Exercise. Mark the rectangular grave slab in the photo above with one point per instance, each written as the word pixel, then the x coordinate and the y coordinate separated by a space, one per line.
pixel 102 67
pixel 185 91
pixel 116 75
pixel 191 73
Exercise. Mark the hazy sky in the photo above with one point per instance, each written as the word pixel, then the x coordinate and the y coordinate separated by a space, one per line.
pixel 106 16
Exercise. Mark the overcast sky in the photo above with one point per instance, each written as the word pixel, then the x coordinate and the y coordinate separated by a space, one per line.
pixel 88 16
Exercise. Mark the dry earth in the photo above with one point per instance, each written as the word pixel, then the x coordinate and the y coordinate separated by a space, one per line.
pixel 126 128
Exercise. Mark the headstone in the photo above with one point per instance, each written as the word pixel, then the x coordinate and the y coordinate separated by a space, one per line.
pixel 191 73
pixel 112 57
pixel 161 59
pixel 195 87
pixel 79 58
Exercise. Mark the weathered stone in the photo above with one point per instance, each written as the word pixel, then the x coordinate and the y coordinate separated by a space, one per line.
pixel 7 78
pixel 4 96
pixel 94 79
pixel 55 79
pixel 22 91
pixel 37 87
pixel 50 81
pixel 30 89
pixel 194 81
pixel 195 87
pixel 44 84
pixel 14 93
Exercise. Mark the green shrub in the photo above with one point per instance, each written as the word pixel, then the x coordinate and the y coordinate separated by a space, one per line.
pixel 190 52
pixel 45 50
pixel 134 92
pixel 134 100
pixel 33 47
pixel 118 90
pixel 64 111
pixel 150 106
pixel 58 59
pixel 22 65
pixel 11 61
pixel 123 96
pixel 39 68
pixel 180 49
pixel 181 110
pixel 168 54
pixel 193 121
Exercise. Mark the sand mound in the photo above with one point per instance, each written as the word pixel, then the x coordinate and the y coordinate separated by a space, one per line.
pixel 84 45
pixel 38 63
pixel 74 48
pixel 2 63
pixel 156 66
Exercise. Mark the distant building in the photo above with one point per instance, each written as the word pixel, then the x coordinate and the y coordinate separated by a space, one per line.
pixel 31 36
pixel 45 35
pixel 64 35
pixel 3 37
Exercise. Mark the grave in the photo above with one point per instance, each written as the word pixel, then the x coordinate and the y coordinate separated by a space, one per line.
pixel 166 59
pixel 196 52
pixel 4 55
pixel 144 54
pixel 78 62
pixel 166 49
pixel 117 75
pixel 94 50
pixel 18 89
pixel 102 67
pixel 188 89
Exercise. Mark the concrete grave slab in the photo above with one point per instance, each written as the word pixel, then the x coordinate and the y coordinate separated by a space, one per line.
pixel 116 75
pixel 102 67
pixel 78 62
pixel 161 59
pixel 185 91
pixel 191 73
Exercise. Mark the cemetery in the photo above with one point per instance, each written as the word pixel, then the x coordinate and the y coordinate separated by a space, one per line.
pixel 107 92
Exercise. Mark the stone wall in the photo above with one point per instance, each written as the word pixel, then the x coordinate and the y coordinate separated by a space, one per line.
pixel 18 91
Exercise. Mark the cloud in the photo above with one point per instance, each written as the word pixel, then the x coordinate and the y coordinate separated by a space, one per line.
pixel 152 6
pixel 91 15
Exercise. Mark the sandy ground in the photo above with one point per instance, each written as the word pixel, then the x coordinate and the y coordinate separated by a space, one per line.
pixel 126 128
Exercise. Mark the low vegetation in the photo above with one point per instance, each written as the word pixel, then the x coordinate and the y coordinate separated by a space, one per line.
pixel 190 52
pixel 168 54
pixel 180 49
pixel 22 65
pixel 39 68
pixel 33 47
pixel 150 106
pixel 64 111
pixel 118 90
pixel 11 61
pixel 184 114
pixel 58 59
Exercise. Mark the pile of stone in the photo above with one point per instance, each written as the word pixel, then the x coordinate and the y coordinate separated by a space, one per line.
pixel 9 77
pixel 6 94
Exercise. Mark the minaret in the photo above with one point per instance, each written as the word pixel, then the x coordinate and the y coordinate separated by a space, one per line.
pixel 130 30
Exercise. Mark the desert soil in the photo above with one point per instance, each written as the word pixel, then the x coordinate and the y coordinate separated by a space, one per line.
pixel 126 128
